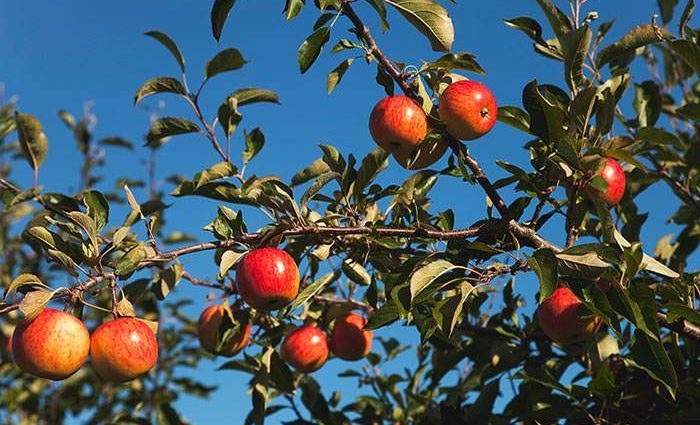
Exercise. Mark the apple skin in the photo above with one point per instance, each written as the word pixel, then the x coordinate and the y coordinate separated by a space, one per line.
pixel 305 348
pixel 349 340
pixel 208 332
pixel 53 346
pixel 558 318
pixel 429 154
pixel 468 109
pixel 614 176
pixel 267 278
pixel 398 125
pixel 123 349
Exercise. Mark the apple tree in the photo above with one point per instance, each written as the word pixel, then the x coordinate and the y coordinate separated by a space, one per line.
pixel 613 339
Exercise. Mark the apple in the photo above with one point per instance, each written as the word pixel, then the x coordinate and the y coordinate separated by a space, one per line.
pixel 349 339
pixel 398 125
pixel 305 348
pixel 123 349
pixel 614 176
pixel 208 332
pixel 267 278
pixel 428 153
pixel 559 319
pixel 468 109
pixel 53 346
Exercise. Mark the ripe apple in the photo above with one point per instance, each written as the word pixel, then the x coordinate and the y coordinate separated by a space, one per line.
pixel 468 109
pixel 398 125
pixel 614 176
pixel 559 319
pixel 305 348
pixel 349 340
pixel 208 332
pixel 428 153
pixel 267 278
pixel 122 349
pixel 53 346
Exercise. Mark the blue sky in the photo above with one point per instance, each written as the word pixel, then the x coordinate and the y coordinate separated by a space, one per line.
pixel 60 55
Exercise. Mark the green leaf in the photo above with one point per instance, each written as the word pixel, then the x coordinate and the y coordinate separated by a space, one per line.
pixel 426 274
pixel 219 13
pixel 374 163
pixel 314 288
pixel 576 45
pixel 528 26
pixel 431 19
pixel 336 75
pixel 169 44
pixel 166 415
pixel 248 95
pixel 379 6
pixel 314 170
pixel 640 36
pixel 559 22
pixel 228 260
pixel 386 314
pixel 292 8
pixel 311 47
pixel 647 103
pixel 650 355
pixel 97 208
pixel 514 117
pixel 320 182
pixel 690 111
pixel 254 142
pixel 169 126
pixel 224 61
pixel 159 85
pixel 451 61
pixel 356 272
pixel 677 311
pixel 689 53
pixel 21 280
pixel 32 139
pixel 544 263
pixel 216 172
pixel 117 142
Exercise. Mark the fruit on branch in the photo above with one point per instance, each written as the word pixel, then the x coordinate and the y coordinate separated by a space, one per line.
pixel 123 349
pixel 53 346
pixel 267 278
pixel 614 176
pixel 349 339
pixel 468 109
pixel 559 319
pixel 208 330
pixel 398 125
pixel 305 348
pixel 426 154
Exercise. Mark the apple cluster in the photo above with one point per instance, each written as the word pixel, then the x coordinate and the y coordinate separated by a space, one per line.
pixel 55 344
pixel 268 279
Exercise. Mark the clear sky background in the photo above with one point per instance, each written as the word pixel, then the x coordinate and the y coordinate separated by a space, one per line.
pixel 60 55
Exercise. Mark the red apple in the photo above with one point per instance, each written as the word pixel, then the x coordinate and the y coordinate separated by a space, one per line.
pixel 305 348
pixel 267 278
pixel 559 319
pixel 398 125
pixel 614 176
pixel 349 340
pixel 123 349
pixel 208 332
pixel 53 346
pixel 468 109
